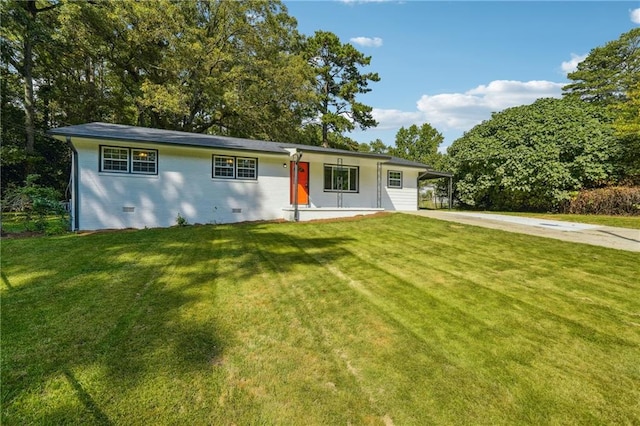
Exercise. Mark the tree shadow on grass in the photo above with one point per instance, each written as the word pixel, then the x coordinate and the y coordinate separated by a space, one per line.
pixel 86 399
pixel 118 300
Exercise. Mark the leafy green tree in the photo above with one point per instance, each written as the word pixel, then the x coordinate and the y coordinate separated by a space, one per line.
pixel 230 68
pixel 610 77
pixel 378 147
pixel 311 135
pixel 419 144
pixel 338 81
pixel 532 157
pixel 217 67
pixel 364 147
pixel 25 30
pixel 627 127
pixel 609 72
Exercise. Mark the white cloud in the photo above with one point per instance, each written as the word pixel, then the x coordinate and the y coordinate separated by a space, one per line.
pixel 635 16
pixel 389 119
pixel 572 64
pixel 460 112
pixel 367 41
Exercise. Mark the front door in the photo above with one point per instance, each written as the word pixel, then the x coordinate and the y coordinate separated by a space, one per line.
pixel 303 183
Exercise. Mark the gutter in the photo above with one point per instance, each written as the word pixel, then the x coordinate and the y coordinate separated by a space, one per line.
pixel 75 220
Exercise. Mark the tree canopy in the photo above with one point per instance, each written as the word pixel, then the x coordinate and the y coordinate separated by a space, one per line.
pixel 236 68
pixel 338 81
pixel 610 77
pixel 532 157
pixel 419 144
pixel 609 72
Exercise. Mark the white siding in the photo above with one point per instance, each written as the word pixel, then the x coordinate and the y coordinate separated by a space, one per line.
pixel 366 197
pixel 405 198
pixel 183 185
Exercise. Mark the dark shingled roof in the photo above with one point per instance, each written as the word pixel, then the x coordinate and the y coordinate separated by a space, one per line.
pixel 107 131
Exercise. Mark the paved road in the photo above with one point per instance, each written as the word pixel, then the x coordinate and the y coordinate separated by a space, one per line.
pixel 606 236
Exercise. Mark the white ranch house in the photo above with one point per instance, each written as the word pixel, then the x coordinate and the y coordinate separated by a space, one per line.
pixel 136 177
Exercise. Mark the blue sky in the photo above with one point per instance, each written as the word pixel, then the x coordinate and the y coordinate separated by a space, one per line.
pixel 452 63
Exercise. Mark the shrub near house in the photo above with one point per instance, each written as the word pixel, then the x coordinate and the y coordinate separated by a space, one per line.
pixel 37 208
pixel 616 200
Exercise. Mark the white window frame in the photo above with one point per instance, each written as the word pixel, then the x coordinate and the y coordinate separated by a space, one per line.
pixel 107 158
pixel 249 170
pixel 145 158
pixel 229 165
pixel 125 158
pixel 394 182
pixel 333 169
pixel 241 168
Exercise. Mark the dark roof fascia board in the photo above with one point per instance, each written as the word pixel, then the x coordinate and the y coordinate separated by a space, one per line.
pixel 107 131
pixel 155 142
pixel 182 145
pixel 302 148
pixel 434 174
pixel 118 132
pixel 329 151
pixel 407 163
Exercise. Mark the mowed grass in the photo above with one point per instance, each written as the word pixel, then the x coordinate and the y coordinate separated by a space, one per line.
pixel 394 319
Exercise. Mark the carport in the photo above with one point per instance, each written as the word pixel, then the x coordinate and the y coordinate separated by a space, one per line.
pixel 434 174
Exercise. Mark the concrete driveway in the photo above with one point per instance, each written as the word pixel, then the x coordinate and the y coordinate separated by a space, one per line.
pixel 605 236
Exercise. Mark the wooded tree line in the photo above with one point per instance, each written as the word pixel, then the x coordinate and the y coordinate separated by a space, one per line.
pixel 236 68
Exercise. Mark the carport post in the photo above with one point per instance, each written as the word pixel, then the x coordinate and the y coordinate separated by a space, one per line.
pixel 450 191
pixel 296 160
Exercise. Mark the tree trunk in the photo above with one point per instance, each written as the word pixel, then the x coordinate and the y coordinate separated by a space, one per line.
pixel 29 108
pixel 325 110
pixel 325 137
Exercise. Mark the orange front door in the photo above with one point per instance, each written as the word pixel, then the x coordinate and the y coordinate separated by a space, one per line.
pixel 303 182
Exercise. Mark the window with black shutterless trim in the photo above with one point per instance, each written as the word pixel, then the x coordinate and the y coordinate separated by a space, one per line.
pixel 394 179
pixel 340 178
pixel 118 159
pixel 230 167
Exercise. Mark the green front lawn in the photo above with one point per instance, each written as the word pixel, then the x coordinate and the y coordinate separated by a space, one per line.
pixel 394 319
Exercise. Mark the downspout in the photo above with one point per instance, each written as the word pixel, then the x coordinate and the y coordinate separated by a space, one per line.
pixel 296 159
pixel 75 221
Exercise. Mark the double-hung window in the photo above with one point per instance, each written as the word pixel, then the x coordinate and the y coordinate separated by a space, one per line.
pixel 228 167
pixel 246 168
pixel 144 161
pixel 223 167
pixel 394 179
pixel 340 178
pixel 117 159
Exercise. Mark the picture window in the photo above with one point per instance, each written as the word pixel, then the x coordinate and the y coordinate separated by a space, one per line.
pixel 340 178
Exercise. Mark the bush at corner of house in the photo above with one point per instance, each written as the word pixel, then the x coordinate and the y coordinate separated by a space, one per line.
pixel 39 206
pixel 613 200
